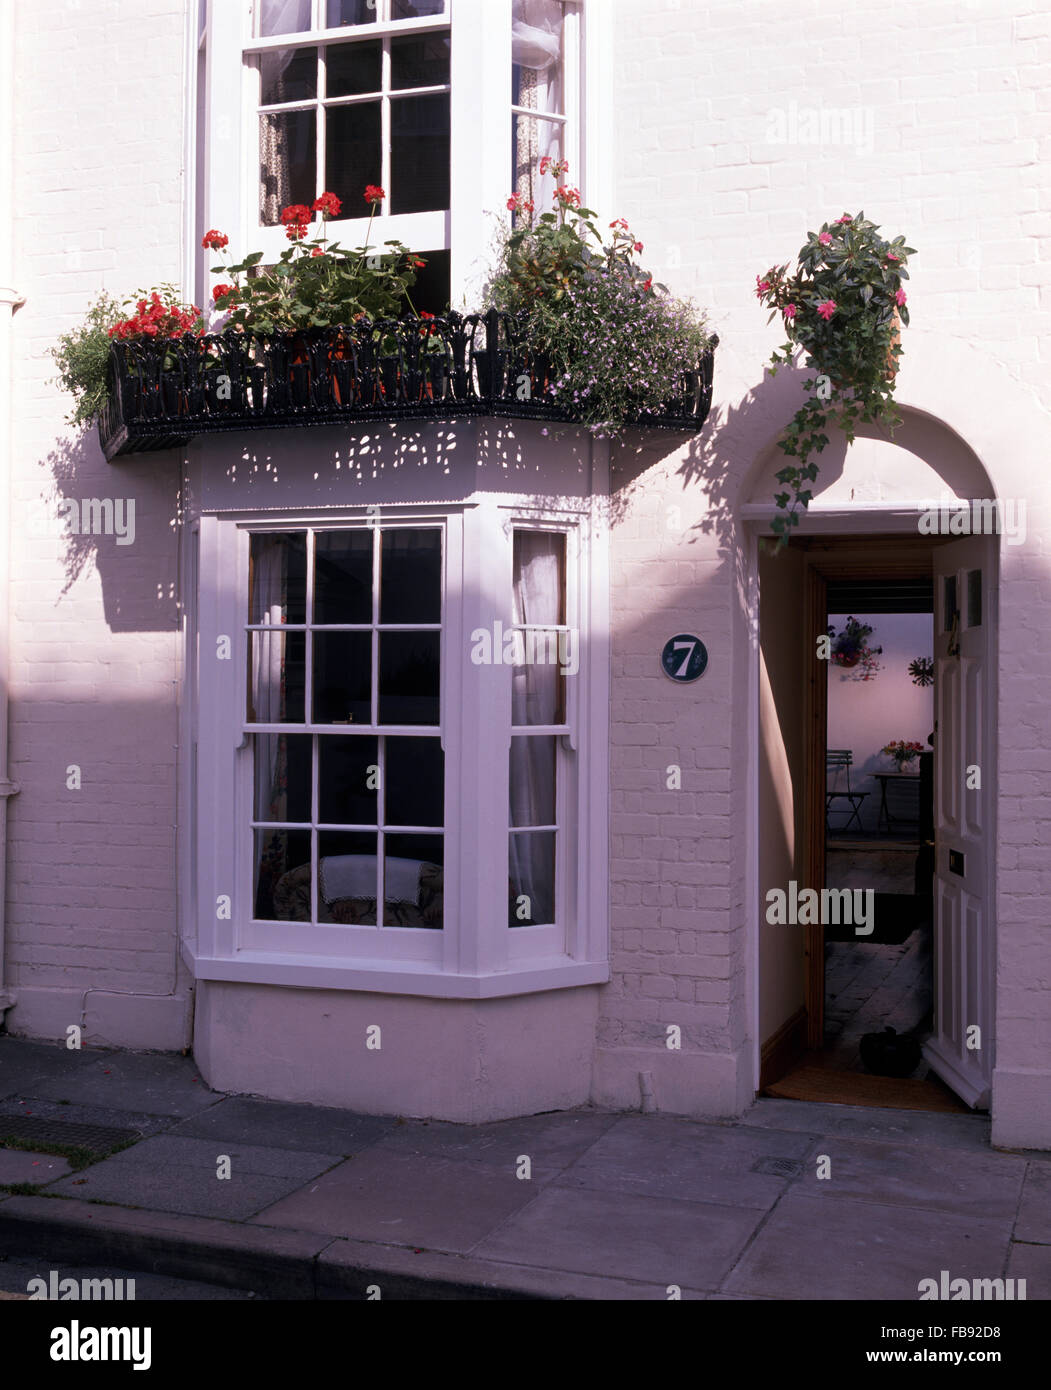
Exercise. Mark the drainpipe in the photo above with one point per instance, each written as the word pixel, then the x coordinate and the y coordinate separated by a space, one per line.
pixel 10 299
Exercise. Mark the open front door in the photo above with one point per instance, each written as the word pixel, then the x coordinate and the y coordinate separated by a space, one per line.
pixel 961 1047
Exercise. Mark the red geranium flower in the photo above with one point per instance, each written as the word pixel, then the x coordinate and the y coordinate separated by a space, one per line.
pixel 223 291
pixel 328 204
pixel 214 241
pixel 373 194
pixel 295 213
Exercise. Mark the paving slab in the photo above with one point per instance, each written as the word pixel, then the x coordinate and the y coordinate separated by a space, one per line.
pixel 813 1248
pixel 1034 1213
pixel 157 1083
pixel 23 1065
pixel 551 1142
pixel 958 1181
pixel 179 1174
pixel 651 1239
pixel 22 1165
pixel 654 1156
pixel 870 1122
pixel 353 1269
pixel 1033 1264
pixel 274 1124
pixel 404 1200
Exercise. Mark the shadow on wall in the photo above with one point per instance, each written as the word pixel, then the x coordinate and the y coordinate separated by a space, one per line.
pixel 121 519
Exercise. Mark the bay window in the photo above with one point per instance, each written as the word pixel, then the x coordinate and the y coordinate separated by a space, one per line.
pixel 399 779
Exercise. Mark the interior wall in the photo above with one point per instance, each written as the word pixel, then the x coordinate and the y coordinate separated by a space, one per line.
pixel 866 715
pixel 781 779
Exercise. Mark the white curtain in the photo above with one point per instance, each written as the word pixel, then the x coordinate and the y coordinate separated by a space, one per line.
pixel 535 699
pixel 275 187
pixel 269 580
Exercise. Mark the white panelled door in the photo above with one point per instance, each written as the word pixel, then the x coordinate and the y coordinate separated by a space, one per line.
pixel 960 1050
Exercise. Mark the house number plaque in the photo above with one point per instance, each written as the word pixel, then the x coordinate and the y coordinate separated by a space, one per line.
pixel 684 658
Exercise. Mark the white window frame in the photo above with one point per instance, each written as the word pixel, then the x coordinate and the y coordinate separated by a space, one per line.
pixel 476 954
pixel 480 127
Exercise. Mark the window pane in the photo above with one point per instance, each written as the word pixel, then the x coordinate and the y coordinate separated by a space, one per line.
pixel 343 577
pixel 413 881
pixel 348 780
pixel 277 677
pixel 288 75
pixel 354 68
pixel 533 780
pixel 347 878
pixel 282 764
pixel 543 657
pixel 352 154
pixel 341 12
pixel 278 571
pixel 420 61
pixel 532 877
pixel 342 678
pixel 411 577
pixel 416 9
pixel 950 603
pixel 536 56
pixel 409 677
pixel 419 154
pixel 283 17
pixel 282 876
pixel 531 140
pixel 414 782
pixel 287 162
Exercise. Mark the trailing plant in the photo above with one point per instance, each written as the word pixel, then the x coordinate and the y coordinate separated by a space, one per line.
pixel 851 650
pixel 841 307
pixel 83 355
pixel 316 283
pixel 617 345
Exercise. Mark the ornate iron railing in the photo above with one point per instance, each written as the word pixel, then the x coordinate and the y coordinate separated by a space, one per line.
pixel 162 393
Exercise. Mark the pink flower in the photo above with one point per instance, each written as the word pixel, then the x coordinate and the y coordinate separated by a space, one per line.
pixel 638 246
pixel 316 252
pixel 892 257
pixel 827 308
pixel 620 222
pixel 825 239
pixel 900 298
pixel 761 287
pixel 649 284
pixel 845 218
pixel 789 312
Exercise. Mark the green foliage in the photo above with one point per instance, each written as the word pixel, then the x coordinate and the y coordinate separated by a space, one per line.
pixel 842 307
pixel 82 358
pixel 617 345
pixel 307 290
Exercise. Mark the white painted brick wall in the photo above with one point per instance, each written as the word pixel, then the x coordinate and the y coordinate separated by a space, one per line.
pixel 961 134
pixel 98 204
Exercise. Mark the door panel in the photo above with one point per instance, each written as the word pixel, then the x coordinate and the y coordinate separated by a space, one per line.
pixel 964 778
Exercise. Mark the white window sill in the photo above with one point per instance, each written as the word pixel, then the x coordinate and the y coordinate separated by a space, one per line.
pixel 261 968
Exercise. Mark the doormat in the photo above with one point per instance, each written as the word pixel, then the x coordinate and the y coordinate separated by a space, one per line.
pixel 809 1082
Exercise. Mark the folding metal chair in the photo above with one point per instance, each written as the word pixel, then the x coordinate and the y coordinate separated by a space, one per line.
pixel 837 761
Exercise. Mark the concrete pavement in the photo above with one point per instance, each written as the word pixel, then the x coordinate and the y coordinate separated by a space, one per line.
pixel 794 1201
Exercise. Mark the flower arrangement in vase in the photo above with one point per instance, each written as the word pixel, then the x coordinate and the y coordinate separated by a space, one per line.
pixel 903 751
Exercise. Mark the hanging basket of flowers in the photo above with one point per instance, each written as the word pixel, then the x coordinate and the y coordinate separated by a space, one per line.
pixel 843 309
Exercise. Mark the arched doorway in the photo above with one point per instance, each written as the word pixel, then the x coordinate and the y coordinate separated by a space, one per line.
pixel 882 518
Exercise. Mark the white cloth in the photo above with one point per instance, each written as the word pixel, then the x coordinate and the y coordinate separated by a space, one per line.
pixel 354 876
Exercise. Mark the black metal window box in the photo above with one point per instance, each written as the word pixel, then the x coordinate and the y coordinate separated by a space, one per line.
pixel 164 392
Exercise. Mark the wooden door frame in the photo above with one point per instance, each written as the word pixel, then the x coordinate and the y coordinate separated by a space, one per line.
pixel 836 557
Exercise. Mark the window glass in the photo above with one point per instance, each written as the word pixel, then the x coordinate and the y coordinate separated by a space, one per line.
pixel 411 577
pixel 544 649
pixel 342 12
pixel 410 671
pixel 343 577
pixel 419 154
pixel 282 17
pixel 353 158
pixel 416 9
pixel 282 777
pixel 420 61
pixel 349 778
pixel 414 782
pixel 354 68
pixel 287 162
pixel 974 598
pixel 278 579
pixel 342 677
pixel 532 879
pixel 290 74
pixel 277 677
